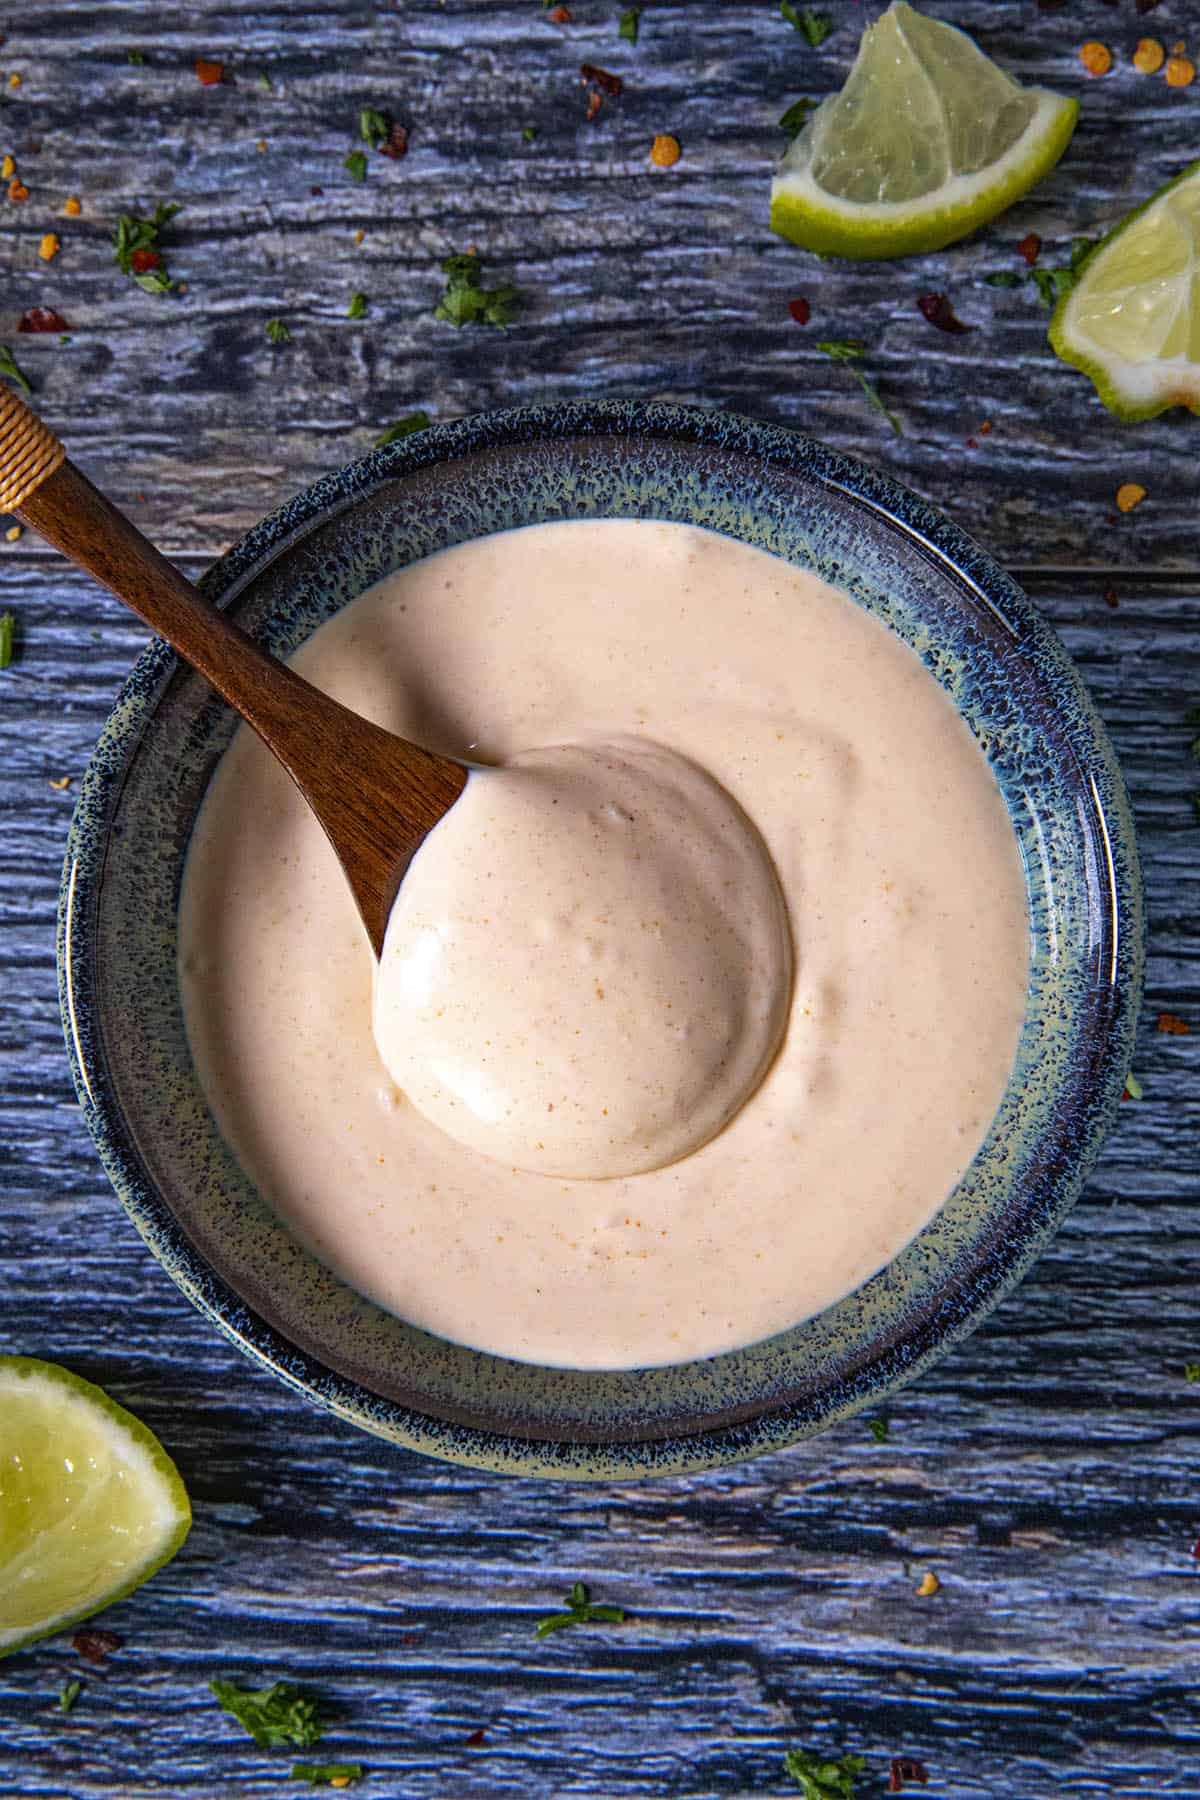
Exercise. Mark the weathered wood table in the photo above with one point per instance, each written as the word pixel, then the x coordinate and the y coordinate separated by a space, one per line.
pixel 1047 1470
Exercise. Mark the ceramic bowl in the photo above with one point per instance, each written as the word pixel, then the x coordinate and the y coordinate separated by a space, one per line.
pixel 977 635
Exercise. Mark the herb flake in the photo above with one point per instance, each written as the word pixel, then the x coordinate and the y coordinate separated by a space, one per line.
pixel 796 116
pixel 338 1775
pixel 277 332
pixel 529 134
pixel 373 128
pixel 851 352
pixel 355 165
pixel 414 421
pixel 279 1714
pixel 8 366
pixel 580 1611
pixel 880 1430
pixel 631 22
pixel 814 27
pixel 819 1778
pixel 8 626
pixel 357 308
pixel 467 302
pixel 135 248
pixel 1191 1371
pixel 70 1691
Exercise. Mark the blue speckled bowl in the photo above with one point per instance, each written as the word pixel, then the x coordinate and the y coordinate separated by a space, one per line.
pixel 979 638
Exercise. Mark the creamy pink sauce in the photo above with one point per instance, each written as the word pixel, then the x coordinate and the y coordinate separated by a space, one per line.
pixel 903 973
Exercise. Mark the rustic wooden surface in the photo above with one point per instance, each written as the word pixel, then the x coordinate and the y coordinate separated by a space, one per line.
pixel 1046 1470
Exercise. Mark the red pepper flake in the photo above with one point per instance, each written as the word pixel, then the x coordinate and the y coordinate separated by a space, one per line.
pixel 559 15
pixel 905 1769
pixel 1110 598
pixel 143 260
pixel 985 428
pixel 1030 247
pixel 209 73
pixel 595 101
pixel 1173 1025
pixel 971 444
pixel 477 1737
pixel 1196 1549
pixel 395 144
pixel 316 190
pixel 611 85
pixel 96 1646
pixel 42 318
pixel 938 310
pixel 800 310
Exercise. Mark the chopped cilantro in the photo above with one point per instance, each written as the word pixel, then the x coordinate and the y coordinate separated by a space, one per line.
pixel 580 1611
pixel 529 134
pixel 1133 1087
pixel 277 332
pixel 135 248
pixel 819 1779
pixel 814 27
pixel 1051 284
pixel 136 57
pixel 327 1774
pixel 355 165
pixel 1191 1372
pixel 415 421
pixel 851 352
pixel 264 80
pixel 357 308
pixel 630 24
pixel 275 1715
pixel 1048 285
pixel 373 128
pixel 880 1430
pixel 70 1691
pixel 8 366
pixel 467 302
pixel 796 116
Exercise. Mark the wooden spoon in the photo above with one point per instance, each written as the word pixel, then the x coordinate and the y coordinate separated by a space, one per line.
pixel 376 795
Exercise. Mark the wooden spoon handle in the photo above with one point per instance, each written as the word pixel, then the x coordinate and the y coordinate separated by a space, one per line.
pixel 356 777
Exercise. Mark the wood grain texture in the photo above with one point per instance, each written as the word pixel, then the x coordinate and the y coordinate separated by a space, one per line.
pixel 1047 1470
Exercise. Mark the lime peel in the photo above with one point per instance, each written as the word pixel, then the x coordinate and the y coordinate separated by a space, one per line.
pixel 1137 294
pixel 90 1502
pixel 910 118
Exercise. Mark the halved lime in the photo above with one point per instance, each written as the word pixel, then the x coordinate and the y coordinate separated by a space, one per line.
pixel 927 140
pixel 1132 319
pixel 90 1502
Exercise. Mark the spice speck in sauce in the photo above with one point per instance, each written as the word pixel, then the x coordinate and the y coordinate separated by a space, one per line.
pixel 1030 247
pixel 800 310
pixel 209 73
pixel 72 206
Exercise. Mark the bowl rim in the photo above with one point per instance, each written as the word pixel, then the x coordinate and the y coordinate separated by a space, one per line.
pixel 776 1426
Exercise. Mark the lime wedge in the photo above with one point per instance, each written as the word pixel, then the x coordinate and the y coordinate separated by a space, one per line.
pixel 927 140
pixel 90 1502
pixel 1132 319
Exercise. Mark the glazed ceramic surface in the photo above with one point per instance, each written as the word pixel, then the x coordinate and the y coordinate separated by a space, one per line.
pixel 978 637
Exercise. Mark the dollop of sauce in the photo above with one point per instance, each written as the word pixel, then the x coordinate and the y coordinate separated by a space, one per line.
pixel 588 966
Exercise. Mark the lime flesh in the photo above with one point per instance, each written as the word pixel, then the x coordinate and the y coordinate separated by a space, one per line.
pixel 927 140
pixel 1132 320
pixel 90 1502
